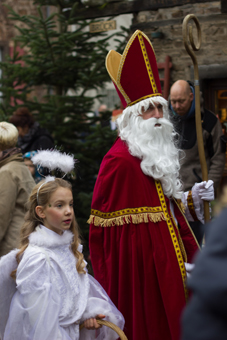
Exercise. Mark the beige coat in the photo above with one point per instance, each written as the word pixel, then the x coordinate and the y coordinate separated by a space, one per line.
pixel 16 183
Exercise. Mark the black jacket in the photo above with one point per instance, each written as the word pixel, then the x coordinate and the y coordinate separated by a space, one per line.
pixel 205 317
pixel 37 139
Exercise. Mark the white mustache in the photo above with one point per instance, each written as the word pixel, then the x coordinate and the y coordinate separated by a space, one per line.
pixel 154 123
pixel 161 121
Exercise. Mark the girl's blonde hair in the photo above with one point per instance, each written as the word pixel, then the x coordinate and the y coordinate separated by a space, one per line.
pixel 32 220
pixel 8 136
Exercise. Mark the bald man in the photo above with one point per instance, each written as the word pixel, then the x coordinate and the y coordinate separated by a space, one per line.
pixel 182 115
pixel 181 97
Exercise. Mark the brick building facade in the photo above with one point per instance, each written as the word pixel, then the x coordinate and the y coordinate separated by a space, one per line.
pixel 8 31
pixel 7 27
pixel 164 27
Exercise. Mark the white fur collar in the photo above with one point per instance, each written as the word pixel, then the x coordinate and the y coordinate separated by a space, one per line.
pixel 43 236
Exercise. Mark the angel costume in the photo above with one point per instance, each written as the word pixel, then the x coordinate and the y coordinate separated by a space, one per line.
pixel 50 298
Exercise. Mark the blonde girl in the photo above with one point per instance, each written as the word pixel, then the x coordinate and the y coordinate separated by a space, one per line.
pixel 53 292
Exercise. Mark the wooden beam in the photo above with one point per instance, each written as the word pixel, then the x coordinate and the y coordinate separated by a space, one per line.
pixel 110 9
pixel 113 8
pixel 160 23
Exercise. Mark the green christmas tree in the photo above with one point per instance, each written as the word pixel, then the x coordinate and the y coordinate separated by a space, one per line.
pixel 65 64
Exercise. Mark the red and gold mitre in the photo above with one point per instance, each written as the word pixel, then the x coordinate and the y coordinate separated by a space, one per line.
pixel 135 72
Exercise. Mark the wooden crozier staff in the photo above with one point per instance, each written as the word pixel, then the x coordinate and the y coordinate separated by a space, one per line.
pixel 199 132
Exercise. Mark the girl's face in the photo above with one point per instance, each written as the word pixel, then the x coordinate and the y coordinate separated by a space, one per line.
pixel 59 213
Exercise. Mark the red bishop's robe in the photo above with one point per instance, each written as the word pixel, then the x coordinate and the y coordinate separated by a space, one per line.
pixel 137 250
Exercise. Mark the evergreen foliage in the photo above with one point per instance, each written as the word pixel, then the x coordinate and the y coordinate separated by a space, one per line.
pixel 63 63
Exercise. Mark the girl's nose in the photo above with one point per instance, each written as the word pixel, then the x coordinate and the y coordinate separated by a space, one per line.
pixel 68 210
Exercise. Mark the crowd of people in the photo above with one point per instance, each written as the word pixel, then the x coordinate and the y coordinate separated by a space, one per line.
pixel 151 277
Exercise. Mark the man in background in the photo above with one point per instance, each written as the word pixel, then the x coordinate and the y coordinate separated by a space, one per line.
pixel 182 115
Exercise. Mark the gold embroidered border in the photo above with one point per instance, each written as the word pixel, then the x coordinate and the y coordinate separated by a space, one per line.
pixel 124 212
pixel 126 216
pixel 126 219
pixel 181 244
pixel 149 42
pixel 145 97
pixel 191 206
pixel 147 63
pixel 181 205
pixel 173 236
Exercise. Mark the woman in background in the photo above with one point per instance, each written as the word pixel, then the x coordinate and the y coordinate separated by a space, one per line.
pixel 31 135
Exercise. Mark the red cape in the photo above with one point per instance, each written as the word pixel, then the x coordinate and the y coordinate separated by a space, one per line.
pixel 137 251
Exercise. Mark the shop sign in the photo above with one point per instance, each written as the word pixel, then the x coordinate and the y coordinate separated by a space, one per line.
pixel 102 26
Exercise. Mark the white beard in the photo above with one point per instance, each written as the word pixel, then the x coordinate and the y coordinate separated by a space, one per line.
pixel 154 145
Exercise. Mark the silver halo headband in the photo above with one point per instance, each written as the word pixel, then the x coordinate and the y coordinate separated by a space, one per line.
pixel 53 160
pixel 47 179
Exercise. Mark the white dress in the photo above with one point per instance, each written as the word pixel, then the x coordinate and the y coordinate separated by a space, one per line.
pixel 50 298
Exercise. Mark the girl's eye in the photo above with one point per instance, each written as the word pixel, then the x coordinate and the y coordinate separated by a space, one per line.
pixel 59 206
pixel 71 205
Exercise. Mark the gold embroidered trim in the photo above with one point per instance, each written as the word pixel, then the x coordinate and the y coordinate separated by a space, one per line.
pixel 173 237
pixel 126 219
pixel 191 206
pixel 147 63
pixel 145 97
pixel 128 211
pixel 181 244
pixel 181 205
pixel 118 82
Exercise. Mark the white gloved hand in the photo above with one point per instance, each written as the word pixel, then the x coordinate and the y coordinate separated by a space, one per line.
pixel 189 268
pixel 206 190
pixel 202 191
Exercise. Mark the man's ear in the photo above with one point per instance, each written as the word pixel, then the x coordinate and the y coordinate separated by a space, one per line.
pixel 39 211
pixel 191 96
